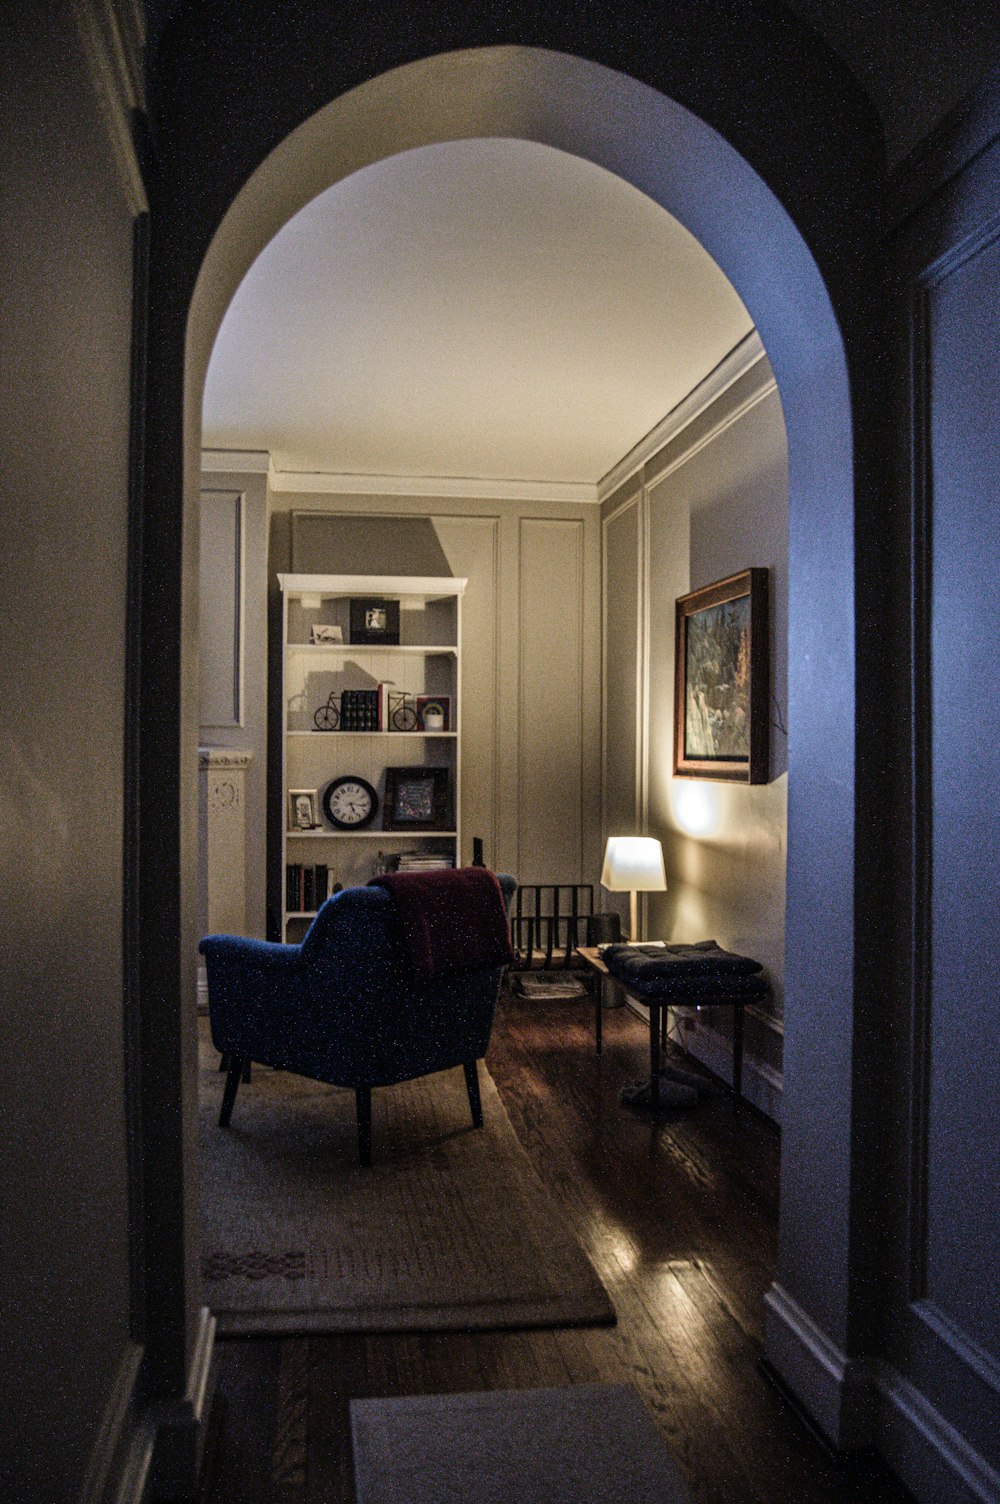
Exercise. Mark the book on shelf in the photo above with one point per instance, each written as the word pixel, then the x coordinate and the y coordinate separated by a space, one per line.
pixel 308 887
pixel 359 710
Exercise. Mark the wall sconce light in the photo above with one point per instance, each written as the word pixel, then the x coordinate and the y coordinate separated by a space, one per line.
pixel 633 864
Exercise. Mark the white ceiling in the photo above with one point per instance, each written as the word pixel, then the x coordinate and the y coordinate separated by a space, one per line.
pixel 482 309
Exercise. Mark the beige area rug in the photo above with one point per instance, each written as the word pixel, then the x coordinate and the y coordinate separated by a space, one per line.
pixel 584 1444
pixel 450 1228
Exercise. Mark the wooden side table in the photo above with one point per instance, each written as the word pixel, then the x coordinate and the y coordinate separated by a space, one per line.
pixel 657 1023
pixel 591 955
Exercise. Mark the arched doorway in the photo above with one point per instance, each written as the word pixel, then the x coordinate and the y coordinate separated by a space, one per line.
pixel 818 351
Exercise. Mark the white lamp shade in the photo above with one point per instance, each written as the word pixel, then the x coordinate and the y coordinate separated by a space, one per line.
pixel 633 864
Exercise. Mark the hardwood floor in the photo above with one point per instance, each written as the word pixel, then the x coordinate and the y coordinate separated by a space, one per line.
pixel 680 1219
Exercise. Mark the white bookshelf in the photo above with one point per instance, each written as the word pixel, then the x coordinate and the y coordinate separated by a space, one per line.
pixel 426 662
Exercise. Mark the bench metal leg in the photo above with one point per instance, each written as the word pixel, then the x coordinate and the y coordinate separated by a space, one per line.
pixel 472 1087
pixel 363 1102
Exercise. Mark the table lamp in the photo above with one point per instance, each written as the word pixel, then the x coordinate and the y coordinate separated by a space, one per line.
pixel 633 864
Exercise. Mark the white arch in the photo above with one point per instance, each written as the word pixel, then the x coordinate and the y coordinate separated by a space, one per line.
pixel 684 165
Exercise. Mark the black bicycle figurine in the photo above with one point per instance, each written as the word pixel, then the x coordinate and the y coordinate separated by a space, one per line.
pixel 402 710
pixel 327 717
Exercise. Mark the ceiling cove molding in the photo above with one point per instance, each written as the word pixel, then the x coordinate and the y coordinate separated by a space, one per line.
pixel 236 462
pixel 112 37
pixel 741 359
pixel 573 493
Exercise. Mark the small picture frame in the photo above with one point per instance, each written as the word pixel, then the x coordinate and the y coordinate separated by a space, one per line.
pixel 321 632
pixel 303 810
pixel 374 621
pixel 415 799
pixel 434 712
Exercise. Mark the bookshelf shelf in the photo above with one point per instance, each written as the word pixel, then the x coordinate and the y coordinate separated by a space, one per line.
pixel 418 834
pixel 399 736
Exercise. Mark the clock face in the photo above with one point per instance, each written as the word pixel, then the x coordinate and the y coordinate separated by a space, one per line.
pixel 349 802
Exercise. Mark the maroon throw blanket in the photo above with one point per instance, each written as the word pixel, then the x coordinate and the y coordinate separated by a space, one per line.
pixel 453 920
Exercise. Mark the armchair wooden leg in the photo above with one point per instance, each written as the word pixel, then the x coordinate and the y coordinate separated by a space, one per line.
pixel 472 1087
pixel 363 1099
pixel 233 1077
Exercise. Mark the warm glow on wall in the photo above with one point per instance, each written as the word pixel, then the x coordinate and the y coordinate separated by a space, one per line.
pixel 696 807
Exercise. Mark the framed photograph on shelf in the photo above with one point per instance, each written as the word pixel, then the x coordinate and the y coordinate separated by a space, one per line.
pixel 326 632
pixel 434 712
pixel 374 621
pixel 303 810
pixel 721 680
pixel 415 798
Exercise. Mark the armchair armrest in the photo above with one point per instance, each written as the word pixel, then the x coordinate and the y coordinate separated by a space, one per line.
pixel 251 984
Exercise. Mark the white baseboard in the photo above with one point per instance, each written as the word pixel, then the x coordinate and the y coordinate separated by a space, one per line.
pixel 180 1424
pixel 119 1463
pixel 202 990
pixel 836 1391
pixel 934 1461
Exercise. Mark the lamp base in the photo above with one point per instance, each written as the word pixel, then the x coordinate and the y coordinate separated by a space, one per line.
pixel 672 1094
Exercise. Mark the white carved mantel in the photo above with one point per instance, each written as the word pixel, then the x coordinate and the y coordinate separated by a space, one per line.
pixel 222 903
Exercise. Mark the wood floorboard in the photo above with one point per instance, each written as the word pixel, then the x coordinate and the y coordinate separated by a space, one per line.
pixel 679 1217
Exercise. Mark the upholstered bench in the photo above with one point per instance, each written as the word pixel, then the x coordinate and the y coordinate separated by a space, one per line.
pixel 685 976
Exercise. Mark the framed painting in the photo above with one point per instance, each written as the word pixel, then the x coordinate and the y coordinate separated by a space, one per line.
pixel 415 798
pixel 721 681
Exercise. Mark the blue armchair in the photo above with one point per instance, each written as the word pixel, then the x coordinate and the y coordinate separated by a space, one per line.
pixel 345 1006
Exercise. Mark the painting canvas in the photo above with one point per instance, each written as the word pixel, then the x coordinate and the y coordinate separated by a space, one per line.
pixel 717 672
pixel 721 680
pixel 415 797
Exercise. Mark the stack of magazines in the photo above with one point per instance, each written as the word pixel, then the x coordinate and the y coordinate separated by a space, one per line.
pixel 547 986
pixel 416 861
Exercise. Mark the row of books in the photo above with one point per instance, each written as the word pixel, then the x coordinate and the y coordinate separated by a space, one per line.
pixel 361 709
pixel 307 885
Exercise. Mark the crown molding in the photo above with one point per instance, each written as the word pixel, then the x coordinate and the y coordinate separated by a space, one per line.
pixel 574 493
pixel 968 130
pixel 741 359
pixel 112 36
pixel 236 462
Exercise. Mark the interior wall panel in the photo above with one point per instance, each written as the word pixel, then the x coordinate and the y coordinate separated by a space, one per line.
pixel 66 247
pixel 233 650
pixel 220 613
pixel 621 812
pixel 711 501
pixel 963 336
pixel 550 722
pixel 472 548
pixel 941 1326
